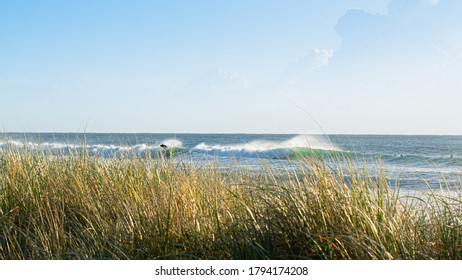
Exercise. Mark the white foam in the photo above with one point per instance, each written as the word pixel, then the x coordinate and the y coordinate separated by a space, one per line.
pixel 173 143
pixel 249 148
pixel 95 148
pixel 308 141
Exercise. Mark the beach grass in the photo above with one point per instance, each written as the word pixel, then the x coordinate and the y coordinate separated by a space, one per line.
pixel 72 206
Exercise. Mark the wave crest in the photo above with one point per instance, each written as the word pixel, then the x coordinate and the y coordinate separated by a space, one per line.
pixel 300 141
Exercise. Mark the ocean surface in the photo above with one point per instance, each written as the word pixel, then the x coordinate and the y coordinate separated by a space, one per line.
pixel 409 162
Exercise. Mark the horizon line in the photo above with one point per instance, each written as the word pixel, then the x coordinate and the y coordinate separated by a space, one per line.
pixel 230 133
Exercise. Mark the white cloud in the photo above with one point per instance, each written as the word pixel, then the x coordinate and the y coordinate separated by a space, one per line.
pixel 410 29
pixel 321 57
pixel 314 60
pixel 218 80
pixel 432 2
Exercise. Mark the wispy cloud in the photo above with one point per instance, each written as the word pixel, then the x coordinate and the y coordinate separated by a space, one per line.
pixel 432 2
pixel 314 60
pixel 409 27
pixel 218 80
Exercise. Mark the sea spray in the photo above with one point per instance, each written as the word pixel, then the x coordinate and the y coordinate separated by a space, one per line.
pixel 270 149
pixel 306 141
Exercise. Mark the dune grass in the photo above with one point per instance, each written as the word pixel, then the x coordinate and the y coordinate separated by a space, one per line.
pixel 78 207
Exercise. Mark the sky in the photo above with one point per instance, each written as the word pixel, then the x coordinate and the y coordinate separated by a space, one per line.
pixel 259 66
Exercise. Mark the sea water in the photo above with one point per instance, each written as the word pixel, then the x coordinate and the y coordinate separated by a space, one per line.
pixel 410 162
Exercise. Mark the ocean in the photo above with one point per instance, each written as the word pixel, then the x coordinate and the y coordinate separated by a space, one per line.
pixel 409 162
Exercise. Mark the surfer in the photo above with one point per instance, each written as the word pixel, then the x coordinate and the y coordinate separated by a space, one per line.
pixel 451 156
pixel 163 146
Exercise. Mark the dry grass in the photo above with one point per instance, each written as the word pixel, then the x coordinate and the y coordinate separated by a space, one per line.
pixel 76 207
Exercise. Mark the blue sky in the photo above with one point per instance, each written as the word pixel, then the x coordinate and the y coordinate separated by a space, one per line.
pixel 389 67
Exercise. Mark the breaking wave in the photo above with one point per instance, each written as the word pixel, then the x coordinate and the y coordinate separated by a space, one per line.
pixel 93 149
pixel 299 144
